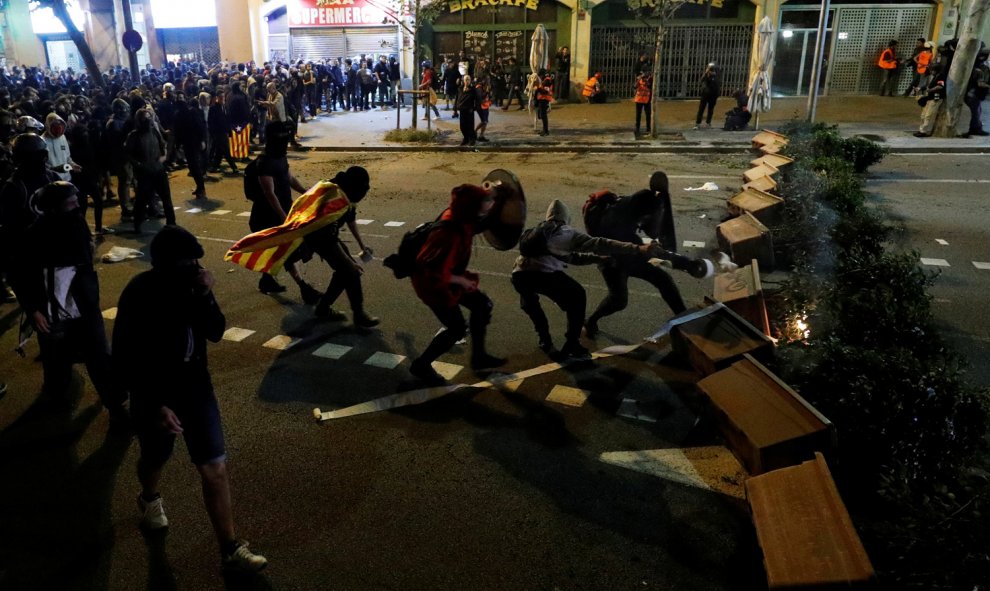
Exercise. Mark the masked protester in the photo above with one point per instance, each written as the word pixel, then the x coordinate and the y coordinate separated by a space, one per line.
pixel 443 282
pixel 60 295
pixel 146 149
pixel 165 316
pixel 112 145
pixel 269 186
pixel 191 134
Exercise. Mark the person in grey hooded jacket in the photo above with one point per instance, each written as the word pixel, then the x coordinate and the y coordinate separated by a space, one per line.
pixel 546 251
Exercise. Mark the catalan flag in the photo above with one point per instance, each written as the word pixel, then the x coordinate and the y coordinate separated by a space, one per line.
pixel 239 140
pixel 266 251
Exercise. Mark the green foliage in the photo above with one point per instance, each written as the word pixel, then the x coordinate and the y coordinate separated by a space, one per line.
pixel 408 135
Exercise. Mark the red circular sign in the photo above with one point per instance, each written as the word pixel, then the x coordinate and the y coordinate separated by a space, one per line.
pixel 132 40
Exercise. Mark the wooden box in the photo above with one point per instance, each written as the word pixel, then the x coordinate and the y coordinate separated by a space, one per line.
pixel 764 183
pixel 745 239
pixel 804 530
pixel 759 171
pixel 763 206
pixel 774 160
pixel 718 340
pixel 742 291
pixel 766 423
pixel 769 139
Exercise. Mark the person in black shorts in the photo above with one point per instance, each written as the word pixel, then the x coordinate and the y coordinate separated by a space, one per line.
pixel 164 317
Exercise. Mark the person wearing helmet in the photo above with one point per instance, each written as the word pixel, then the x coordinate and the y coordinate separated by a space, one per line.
pixel 112 145
pixel 31 173
pixel 145 148
pixel 166 315
pixel 59 292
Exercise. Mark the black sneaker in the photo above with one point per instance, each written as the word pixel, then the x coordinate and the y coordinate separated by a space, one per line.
pixel 482 138
pixel 486 361
pixel 267 284
pixel 328 313
pixel 575 351
pixel 545 344
pixel 426 373
pixel 363 320
pixel 310 295
pixel 591 328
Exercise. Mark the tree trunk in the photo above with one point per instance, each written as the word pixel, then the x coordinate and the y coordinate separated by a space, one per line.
pixel 974 19
pixel 655 90
pixel 92 68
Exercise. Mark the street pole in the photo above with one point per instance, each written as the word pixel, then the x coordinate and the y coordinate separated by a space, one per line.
pixel 816 67
pixel 125 7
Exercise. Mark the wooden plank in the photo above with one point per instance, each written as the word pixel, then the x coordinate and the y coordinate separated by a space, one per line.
pixel 805 532
pixel 766 423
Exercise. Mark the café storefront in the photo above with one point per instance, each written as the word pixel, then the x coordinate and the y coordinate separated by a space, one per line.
pixel 325 29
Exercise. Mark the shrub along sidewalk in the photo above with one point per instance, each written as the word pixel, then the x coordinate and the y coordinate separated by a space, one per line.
pixel 869 357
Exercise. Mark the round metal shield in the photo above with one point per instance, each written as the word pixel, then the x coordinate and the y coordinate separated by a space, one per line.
pixel 508 216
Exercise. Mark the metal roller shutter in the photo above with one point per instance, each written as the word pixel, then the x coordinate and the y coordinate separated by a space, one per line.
pixel 317 44
pixel 278 47
pixel 371 40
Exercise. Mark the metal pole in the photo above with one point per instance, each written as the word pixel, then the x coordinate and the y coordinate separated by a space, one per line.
pixel 816 67
pixel 125 7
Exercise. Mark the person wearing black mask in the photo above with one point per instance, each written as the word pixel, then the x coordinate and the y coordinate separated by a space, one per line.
pixel 60 295
pixel 146 149
pixel 166 315
pixel 191 134
pixel 269 185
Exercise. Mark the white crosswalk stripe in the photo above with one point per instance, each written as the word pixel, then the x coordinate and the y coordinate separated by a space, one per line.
pixel 364 222
pixel 942 241
pixel 385 360
pixel 394 224
pixel 281 342
pixel 935 262
pixel 236 334
pixel 568 396
pixel 331 351
pixel 981 266
pixel 244 214
pixel 220 212
pixel 194 210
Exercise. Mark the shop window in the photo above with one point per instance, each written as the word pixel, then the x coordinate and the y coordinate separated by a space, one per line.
pixel 510 15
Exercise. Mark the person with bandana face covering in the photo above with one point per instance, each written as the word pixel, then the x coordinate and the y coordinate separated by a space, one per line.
pixel 146 149
pixel 443 282
pixel 166 316
pixel 60 295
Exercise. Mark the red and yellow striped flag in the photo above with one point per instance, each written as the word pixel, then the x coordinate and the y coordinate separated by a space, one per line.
pixel 267 250
pixel 240 141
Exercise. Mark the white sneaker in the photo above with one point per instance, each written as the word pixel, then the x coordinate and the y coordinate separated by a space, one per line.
pixel 152 513
pixel 243 559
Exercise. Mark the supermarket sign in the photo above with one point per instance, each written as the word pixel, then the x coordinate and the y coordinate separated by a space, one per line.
pixel 333 13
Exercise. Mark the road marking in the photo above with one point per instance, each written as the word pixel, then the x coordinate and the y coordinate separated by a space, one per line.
pixel 110 313
pixel 220 212
pixel 935 262
pixel 194 210
pixel 447 370
pixel 942 242
pixel 982 266
pixel 385 360
pixel 332 351
pixel 711 468
pixel 244 214
pixel 394 224
pixel 363 222
pixel 223 240
pixel 693 244
pixel 923 181
pixel 281 342
pixel 237 334
pixel 568 396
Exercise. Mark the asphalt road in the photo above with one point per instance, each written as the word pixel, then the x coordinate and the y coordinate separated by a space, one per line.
pixel 492 489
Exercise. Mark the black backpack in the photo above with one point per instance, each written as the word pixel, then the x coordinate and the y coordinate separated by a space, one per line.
pixel 594 210
pixel 252 186
pixel 533 242
pixel 403 262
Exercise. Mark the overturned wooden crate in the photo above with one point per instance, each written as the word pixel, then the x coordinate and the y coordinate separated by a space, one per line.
pixel 760 204
pixel 756 172
pixel 745 239
pixel 775 160
pixel 742 291
pixel 769 142
pixel 766 423
pixel 804 530
pixel 717 340
pixel 764 183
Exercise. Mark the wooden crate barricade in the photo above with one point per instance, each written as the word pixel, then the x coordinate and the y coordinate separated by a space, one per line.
pixel 759 171
pixel 745 239
pixel 762 205
pixel 717 340
pixel 742 291
pixel 804 530
pixel 764 183
pixel 769 142
pixel 775 160
pixel 766 424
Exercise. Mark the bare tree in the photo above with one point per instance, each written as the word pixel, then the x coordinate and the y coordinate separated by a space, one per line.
pixel 974 18
pixel 60 8
pixel 661 12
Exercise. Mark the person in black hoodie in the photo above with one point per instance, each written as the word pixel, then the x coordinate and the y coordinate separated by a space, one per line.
pixel 191 134
pixel 60 295
pixel 467 103
pixel 711 87
pixel 219 126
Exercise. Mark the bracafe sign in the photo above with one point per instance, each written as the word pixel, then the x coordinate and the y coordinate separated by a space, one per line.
pixel 333 13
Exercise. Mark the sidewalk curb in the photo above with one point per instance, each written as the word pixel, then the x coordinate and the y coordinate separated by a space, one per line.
pixel 559 148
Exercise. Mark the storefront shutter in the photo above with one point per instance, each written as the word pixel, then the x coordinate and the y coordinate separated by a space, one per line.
pixel 372 41
pixel 317 44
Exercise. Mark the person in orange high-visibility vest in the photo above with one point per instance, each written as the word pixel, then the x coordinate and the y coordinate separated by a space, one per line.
pixel 921 60
pixel 592 88
pixel 484 89
pixel 888 69
pixel 643 98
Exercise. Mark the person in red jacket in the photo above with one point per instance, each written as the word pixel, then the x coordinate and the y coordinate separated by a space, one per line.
pixel 443 282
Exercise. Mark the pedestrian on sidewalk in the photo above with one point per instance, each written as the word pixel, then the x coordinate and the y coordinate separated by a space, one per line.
pixel 543 95
pixel 931 103
pixel 426 84
pixel 644 100
pixel 443 282
pixel 514 85
pixel 467 104
pixel 888 64
pixel 711 87
pixel 976 93
pixel 562 74
pixel 451 80
pixel 165 316
pixel 484 92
